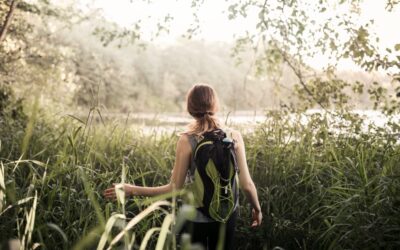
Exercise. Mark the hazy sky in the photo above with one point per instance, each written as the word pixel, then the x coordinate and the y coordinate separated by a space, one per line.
pixel 214 23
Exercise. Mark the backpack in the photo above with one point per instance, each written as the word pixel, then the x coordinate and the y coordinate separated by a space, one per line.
pixel 215 184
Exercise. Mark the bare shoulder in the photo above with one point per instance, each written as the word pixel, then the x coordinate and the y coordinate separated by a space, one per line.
pixel 183 139
pixel 183 144
pixel 235 134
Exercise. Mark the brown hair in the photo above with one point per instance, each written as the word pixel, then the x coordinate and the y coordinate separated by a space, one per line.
pixel 202 104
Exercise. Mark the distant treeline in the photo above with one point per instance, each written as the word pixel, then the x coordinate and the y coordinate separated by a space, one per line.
pixel 71 68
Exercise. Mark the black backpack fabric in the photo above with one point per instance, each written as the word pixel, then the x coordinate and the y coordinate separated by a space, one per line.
pixel 215 184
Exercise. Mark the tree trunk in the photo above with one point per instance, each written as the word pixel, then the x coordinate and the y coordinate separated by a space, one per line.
pixel 7 21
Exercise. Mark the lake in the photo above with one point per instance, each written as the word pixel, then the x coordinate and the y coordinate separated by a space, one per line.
pixel 246 121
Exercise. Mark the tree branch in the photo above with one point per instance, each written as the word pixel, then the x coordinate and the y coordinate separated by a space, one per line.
pixel 8 19
pixel 300 77
pixel 298 73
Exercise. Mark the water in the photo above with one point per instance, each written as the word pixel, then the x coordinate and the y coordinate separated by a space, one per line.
pixel 177 122
pixel 245 121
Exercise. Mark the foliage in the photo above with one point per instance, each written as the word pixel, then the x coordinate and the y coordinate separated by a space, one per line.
pixel 290 34
pixel 294 32
pixel 32 60
pixel 326 181
pixel 12 120
pixel 64 213
pixel 319 188
pixel 322 188
pixel 52 47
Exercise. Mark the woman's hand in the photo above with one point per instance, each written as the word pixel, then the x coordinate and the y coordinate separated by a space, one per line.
pixel 256 217
pixel 110 193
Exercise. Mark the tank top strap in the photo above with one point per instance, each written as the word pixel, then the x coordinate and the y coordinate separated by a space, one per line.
pixel 193 141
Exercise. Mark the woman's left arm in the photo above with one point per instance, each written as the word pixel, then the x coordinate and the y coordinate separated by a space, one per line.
pixel 182 161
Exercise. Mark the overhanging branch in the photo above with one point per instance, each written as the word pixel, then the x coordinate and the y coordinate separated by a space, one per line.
pixel 7 20
pixel 285 57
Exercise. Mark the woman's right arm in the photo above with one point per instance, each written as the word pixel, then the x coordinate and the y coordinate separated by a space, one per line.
pixel 182 161
pixel 245 181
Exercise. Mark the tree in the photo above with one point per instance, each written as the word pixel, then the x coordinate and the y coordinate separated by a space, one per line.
pixel 31 60
pixel 7 20
pixel 292 32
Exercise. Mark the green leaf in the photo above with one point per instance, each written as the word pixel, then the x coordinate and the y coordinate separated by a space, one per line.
pixel 397 47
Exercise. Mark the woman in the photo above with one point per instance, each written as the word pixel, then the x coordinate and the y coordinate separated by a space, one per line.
pixel 202 104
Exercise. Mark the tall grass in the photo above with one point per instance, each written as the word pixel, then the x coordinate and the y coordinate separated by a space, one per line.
pixel 318 189
pixel 73 163
pixel 324 190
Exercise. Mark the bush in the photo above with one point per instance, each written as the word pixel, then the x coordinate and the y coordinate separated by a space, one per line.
pixel 13 121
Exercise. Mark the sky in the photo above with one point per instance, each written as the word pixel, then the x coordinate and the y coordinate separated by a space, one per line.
pixel 215 25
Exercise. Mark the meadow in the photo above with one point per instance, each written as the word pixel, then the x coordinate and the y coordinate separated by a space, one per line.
pixel 325 180
pixel 318 189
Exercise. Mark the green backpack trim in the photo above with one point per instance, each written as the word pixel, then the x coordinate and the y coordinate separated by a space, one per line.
pixel 217 211
pixel 197 188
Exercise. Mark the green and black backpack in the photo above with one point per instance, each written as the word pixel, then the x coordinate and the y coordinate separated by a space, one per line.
pixel 215 183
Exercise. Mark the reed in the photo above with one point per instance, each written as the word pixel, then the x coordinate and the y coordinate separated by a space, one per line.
pixel 319 188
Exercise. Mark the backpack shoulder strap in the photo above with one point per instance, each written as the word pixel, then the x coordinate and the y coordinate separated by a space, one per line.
pixel 228 132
